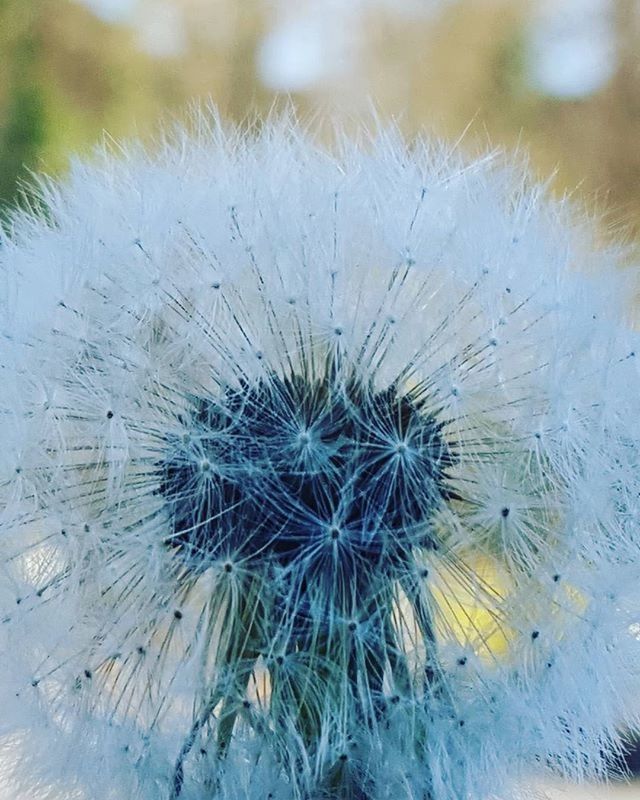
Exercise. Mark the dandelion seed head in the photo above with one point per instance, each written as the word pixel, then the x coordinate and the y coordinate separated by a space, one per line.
pixel 319 476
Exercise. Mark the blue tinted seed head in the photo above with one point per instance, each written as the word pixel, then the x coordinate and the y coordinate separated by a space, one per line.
pixel 318 478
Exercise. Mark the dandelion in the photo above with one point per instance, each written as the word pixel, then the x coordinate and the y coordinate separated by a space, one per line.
pixel 318 476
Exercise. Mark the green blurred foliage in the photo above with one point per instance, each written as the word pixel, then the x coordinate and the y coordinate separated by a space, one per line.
pixel 65 77
pixel 23 127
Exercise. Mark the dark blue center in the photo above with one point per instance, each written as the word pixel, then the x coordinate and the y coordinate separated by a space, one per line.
pixel 302 467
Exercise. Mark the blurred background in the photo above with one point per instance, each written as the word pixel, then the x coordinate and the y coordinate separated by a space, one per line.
pixel 557 79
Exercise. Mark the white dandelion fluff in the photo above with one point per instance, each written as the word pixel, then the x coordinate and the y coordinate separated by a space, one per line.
pixel 318 478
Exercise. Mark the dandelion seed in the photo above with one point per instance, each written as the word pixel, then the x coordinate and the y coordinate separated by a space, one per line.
pixel 282 515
